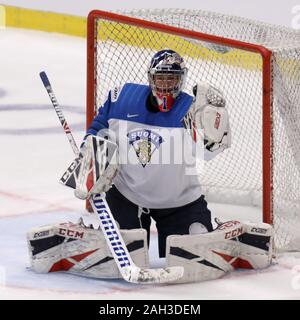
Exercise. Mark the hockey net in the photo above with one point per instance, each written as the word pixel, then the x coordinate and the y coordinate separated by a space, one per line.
pixel 256 65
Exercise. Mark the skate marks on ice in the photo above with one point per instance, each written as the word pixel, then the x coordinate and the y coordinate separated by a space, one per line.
pixel 27 110
pixel 31 196
pixel 274 282
pixel 2 93
pixel 15 262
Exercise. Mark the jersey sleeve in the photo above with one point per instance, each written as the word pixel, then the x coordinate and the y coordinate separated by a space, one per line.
pixel 101 120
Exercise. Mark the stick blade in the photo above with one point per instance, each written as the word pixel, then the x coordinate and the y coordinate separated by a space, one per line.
pixel 151 276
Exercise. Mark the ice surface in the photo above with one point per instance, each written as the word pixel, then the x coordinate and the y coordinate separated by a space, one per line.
pixel 34 154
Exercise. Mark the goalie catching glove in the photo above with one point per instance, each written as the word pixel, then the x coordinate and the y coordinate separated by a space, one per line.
pixel 208 113
pixel 93 171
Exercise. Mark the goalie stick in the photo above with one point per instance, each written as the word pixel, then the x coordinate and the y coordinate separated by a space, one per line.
pixel 129 271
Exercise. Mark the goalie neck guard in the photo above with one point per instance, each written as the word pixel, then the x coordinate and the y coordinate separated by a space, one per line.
pixel 166 75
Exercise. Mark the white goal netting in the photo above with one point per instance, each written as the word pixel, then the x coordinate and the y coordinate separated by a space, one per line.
pixel 123 52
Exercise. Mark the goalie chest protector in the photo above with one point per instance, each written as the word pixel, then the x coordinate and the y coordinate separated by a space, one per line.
pixel 154 172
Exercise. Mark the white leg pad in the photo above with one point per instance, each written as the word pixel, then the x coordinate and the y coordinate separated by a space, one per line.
pixel 75 249
pixel 256 245
pixel 211 255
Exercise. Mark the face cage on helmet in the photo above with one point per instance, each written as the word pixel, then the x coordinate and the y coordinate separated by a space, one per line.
pixel 176 90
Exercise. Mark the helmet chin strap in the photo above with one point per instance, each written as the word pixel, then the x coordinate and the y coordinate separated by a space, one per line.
pixel 165 101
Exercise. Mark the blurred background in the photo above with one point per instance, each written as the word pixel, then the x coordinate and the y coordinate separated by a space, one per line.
pixel 286 13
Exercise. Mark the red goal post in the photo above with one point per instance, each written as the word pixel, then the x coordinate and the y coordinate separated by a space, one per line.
pixel 125 37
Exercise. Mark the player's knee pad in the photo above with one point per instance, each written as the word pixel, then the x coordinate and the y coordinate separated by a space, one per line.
pixel 197 228
pixel 79 250
pixel 211 255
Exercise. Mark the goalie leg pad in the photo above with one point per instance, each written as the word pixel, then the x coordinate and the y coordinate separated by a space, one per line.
pixel 256 246
pixel 210 256
pixel 79 250
pixel 199 253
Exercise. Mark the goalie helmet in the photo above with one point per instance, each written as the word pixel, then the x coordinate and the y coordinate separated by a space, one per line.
pixel 166 74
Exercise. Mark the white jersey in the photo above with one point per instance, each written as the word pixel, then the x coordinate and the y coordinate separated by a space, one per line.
pixel 153 173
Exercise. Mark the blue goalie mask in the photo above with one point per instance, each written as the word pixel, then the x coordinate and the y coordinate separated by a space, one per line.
pixel 166 74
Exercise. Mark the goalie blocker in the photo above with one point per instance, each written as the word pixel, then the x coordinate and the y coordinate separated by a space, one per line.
pixel 93 171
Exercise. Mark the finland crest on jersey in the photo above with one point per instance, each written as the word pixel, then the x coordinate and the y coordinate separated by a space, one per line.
pixel 144 142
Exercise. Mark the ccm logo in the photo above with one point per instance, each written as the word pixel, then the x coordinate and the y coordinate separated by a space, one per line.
pixel 41 234
pixel 259 230
pixel 70 171
pixel 217 121
pixel 70 233
pixel 233 233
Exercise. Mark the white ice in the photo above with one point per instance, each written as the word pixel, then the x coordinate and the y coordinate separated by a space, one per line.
pixel 34 154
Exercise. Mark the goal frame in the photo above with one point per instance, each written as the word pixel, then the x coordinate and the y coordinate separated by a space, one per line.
pixel 267 102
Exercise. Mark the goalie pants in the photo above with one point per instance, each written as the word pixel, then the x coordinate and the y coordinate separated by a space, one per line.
pixel 168 221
